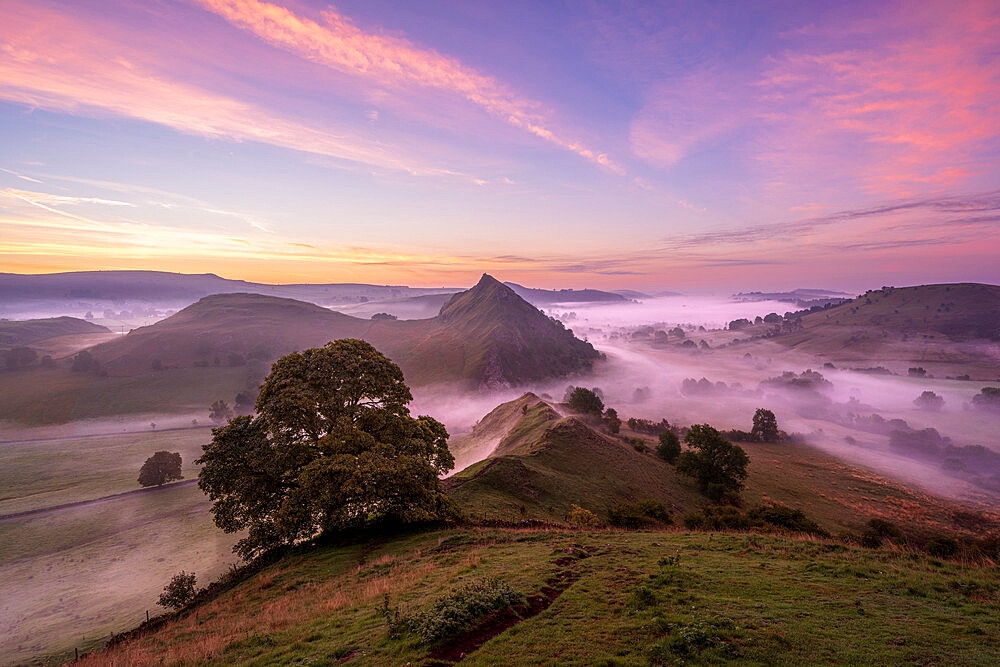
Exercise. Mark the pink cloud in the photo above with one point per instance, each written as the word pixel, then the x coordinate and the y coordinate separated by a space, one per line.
pixel 394 62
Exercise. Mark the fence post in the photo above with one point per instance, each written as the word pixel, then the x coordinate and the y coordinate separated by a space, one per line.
pixel 147 616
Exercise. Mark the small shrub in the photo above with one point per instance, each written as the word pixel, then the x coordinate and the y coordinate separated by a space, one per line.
pixel 638 515
pixel 584 518
pixel 886 529
pixel 454 613
pixel 942 546
pixel 716 518
pixel 870 539
pixel 179 592
pixel 779 516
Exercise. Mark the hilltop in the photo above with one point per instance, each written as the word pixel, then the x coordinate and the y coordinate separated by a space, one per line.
pixel 487 337
pixel 536 459
pixel 959 311
pixel 17 333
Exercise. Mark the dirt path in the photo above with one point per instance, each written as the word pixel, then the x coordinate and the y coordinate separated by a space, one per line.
pixel 41 511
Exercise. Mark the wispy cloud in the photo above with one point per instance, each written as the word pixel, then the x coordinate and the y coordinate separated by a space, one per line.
pixel 51 61
pixel 395 62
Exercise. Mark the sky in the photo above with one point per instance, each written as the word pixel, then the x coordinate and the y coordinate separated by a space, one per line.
pixel 693 146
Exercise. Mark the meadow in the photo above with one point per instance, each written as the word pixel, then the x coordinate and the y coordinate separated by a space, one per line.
pixel 70 577
pixel 596 597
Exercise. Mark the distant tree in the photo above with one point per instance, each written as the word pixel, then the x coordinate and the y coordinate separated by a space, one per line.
pixel 772 318
pixel 585 401
pixel 160 468
pixel 612 420
pixel 916 372
pixel 20 357
pixel 741 323
pixel 988 398
pixel 765 426
pixel 89 315
pixel 84 362
pixel 333 447
pixel 383 316
pixel 47 362
pixel 244 402
pixel 928 400
pixel 220 412
pixel 718 466
pixel 179 592
pixel 670 447
pixel 677 332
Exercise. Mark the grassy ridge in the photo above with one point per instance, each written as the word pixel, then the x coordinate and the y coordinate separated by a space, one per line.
pixel 630 599
pixel 15 333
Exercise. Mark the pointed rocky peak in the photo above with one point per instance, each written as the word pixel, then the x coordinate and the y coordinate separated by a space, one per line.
pixel 487 298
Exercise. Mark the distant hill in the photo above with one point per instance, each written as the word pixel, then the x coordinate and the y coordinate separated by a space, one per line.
pixel 17 333
pixel 487 337
pixel 67 292
pixel 545 297
pixel 960 311
pixel 803 298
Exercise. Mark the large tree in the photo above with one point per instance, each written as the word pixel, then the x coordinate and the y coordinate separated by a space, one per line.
pixel 719 467
pixel 333 446
pixel 160 468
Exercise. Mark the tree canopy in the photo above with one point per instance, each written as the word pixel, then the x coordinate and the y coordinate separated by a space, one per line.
pixel 719 467
pixel 332 447
pixel 765 426
pixel 160 468
pixel 586 401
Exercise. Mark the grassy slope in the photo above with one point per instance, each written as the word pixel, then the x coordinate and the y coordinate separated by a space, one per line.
pixel 758 599
pixel 57 471
pixel 26 332
pixel 944 328
pixel 545 463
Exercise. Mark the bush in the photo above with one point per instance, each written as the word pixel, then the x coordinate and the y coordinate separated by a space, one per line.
pixel 455 613
pixel 585 401
pixel 179 592
pixel 584 518
pixel 637 515
pixel 669 448
pixel 942 546
pixel 648 425
pixel 716 518
pixel 870 539
pixel 612 420
pixel 779 516
pixel 886 529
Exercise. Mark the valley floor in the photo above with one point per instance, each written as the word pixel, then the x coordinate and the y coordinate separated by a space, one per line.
pixel 596 597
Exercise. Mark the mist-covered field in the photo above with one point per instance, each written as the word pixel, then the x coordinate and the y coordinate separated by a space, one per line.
pixel 70 576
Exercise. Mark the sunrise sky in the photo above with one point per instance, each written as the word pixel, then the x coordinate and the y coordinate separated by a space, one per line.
pixel 695 146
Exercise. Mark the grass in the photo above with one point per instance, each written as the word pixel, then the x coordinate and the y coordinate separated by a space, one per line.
pixel 70 578
pixel 57 471
pixel 634 598
pixel 42 396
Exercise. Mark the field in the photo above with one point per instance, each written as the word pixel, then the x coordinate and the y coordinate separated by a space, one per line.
pixel 56 396
pixel 70 577
pixel 597 597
